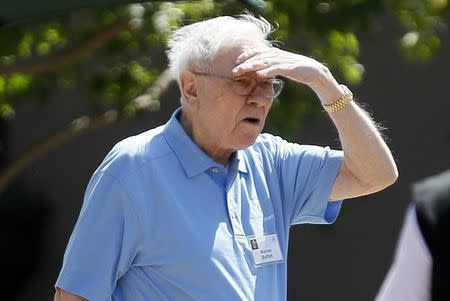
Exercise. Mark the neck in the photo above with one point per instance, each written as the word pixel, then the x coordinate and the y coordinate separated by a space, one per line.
pixel 207 144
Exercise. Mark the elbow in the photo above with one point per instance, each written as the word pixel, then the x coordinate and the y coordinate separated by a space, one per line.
pixel 391 175
pixel 387 178
pixel 369 181
pixel 394 174
pixel 390 180
pixel 381 179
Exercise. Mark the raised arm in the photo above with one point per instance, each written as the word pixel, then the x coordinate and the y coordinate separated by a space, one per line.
pixel 368 163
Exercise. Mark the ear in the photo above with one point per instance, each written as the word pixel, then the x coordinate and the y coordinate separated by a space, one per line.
pixel 188 87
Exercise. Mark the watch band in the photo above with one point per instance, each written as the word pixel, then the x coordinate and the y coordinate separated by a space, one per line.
pixel 342 102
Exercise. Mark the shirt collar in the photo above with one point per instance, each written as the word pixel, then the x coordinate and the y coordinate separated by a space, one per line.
pixel 241 161
pixel 192 158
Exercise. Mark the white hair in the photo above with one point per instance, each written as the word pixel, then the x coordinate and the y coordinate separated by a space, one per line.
pixel 196 45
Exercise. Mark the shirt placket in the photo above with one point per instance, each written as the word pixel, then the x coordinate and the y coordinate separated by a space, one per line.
pixel 234 204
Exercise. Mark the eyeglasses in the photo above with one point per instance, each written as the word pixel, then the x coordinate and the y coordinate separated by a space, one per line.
pixel 246 85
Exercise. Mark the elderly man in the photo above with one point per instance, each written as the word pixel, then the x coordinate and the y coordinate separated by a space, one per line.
pixel 200 208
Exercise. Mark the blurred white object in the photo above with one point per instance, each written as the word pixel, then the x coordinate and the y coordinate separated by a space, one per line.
pixel 409 277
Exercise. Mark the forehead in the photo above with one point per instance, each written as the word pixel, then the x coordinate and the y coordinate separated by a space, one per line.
pixel 225 60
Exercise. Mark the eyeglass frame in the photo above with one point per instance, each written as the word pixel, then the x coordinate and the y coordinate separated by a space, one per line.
pixel 232 79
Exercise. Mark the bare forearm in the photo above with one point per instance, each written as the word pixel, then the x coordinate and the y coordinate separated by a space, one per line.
pixel 365 152
pixel 366 156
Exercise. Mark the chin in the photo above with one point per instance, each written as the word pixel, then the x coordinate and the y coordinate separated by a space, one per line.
pixel 247 141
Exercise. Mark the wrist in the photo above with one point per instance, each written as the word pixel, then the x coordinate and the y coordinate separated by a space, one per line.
pixel 341 102
pixel 331 95
pixel 327 88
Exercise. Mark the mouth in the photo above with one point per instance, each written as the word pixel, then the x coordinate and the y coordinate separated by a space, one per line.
pixel 252 120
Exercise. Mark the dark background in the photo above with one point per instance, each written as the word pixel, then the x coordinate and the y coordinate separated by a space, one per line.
pixel 345 261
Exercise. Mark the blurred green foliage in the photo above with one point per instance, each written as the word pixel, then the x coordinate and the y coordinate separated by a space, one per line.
pixel 121 70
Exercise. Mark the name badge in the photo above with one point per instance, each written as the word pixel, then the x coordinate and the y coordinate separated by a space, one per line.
pixel 265 249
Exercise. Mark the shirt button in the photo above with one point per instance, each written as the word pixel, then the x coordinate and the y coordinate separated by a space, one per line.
pixel 215 169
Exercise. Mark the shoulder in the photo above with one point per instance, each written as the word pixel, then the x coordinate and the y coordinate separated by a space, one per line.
pixel 278 146
pixel 432 194
pixel 266 142
pixel 135 151
pixel 432 199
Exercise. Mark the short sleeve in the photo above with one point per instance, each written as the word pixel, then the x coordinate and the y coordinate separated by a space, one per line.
pixel 307 174
pixel 103 243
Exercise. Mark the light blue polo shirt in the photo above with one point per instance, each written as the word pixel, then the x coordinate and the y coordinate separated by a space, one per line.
pixel 162 221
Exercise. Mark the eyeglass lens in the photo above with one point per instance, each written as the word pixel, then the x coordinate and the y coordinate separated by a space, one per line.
pixel 246 85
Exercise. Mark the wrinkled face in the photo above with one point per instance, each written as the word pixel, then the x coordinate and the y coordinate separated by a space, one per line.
pixel 227 120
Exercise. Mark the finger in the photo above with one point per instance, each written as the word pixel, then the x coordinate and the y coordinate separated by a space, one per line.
pixel 250 67
pixel 256 62
pixel 269 72
pixel 250 52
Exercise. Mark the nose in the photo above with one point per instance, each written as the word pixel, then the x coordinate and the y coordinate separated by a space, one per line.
pixel 259 96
